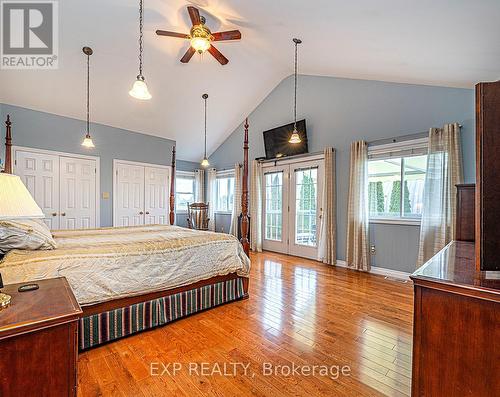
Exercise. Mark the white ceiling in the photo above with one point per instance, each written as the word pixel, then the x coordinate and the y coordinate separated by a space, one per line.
pixel 438 42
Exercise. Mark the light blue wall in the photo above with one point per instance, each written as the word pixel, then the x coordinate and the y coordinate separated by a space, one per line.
pixel 48 131
pixel 340 111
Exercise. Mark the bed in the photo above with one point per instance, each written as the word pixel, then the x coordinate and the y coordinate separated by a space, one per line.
pixel 129 279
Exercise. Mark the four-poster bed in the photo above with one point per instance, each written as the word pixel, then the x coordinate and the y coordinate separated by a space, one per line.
pixel 110 317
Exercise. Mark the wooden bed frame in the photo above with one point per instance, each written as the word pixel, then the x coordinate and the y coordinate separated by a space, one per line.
pixel 128 304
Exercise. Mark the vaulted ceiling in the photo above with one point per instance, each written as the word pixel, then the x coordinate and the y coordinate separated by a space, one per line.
pixel 436 42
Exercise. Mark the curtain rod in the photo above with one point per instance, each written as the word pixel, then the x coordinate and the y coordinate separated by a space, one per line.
pixel 297 156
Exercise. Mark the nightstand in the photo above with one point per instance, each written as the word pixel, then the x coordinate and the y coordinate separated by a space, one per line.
pixel 38 340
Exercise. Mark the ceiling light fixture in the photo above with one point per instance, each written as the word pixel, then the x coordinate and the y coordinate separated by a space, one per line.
pixel 87 141
pixel 140 89
pixel 295 138
pixel 201 37
pixel 204 162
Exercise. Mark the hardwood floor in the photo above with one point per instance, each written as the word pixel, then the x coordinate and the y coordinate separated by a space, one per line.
pixel 300 312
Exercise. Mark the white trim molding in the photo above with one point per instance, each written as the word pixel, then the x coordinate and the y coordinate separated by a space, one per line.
pixel 381 271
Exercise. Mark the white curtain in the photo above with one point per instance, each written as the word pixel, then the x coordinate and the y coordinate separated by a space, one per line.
pixel 256 207
pixel 358 256
pixel 236 201
pixel 199 185
pixel 327 247
pixel 444 172
pixel 211 192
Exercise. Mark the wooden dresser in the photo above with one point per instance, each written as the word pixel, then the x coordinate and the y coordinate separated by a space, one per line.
pixel 456 325
pixel 456 329
pixel 38 341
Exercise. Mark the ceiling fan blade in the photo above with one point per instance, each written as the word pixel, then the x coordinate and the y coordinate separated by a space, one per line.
pixel 229 35
pixel 194 14
pixel 172 34
pixel 217 55
pixel 188 55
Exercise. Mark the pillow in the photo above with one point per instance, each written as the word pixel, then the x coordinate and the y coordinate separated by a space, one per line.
pixel 27 234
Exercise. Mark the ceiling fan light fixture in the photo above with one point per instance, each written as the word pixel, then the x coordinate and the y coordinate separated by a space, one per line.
pixel 140 89
pixel 200 44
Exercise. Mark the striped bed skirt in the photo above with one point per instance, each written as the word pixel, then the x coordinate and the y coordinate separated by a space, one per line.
pixel 107 326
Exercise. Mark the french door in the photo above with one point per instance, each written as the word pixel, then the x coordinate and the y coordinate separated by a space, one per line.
pixel 292 207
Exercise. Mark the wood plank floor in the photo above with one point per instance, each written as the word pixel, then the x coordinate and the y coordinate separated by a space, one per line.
pixel 300 312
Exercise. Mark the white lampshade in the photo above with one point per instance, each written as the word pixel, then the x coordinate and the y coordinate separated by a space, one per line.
pixel 140 89
pixel 88 142
pixel 15 200
pixel 204 162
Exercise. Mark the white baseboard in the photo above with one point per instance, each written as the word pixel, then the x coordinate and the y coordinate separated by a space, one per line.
pixel 381 271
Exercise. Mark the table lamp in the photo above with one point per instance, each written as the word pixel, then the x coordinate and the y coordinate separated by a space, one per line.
pixel 16 202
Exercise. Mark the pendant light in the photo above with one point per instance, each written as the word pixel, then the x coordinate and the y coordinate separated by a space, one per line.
pixel 204 162
pixel 295 138
pixel 140 89
pixel 87 141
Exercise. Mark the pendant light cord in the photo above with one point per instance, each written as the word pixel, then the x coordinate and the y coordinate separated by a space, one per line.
pixel 88 95
pixel 205 127
pixel 295 91
pixel 141 21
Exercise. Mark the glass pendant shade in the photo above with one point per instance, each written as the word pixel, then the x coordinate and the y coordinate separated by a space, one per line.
pixel 295 138
pixel 87 141
pixel 200 44
pixel 204 162
pixel 140 89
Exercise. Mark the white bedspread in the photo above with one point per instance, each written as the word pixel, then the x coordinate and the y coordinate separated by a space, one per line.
pixel 109 263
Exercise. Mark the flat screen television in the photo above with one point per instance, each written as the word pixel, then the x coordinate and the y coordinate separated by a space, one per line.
pixel 276 141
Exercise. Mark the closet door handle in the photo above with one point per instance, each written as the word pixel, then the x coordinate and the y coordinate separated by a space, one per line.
pixel 147 212
pixel 54 214
pixel 141 213
pixel 63 213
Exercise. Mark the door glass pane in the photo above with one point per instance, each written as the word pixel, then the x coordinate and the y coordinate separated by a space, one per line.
pixel 306 188
pixel 274 205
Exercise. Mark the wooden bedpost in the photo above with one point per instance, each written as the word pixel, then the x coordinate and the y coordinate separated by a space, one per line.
pixel 172 189
pixel 244 195
pixel 8 147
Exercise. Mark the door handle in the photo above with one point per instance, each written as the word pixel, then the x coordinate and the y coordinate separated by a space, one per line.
pixel 147 212
pixel 63 213
pixel 54 214
pixel 141 213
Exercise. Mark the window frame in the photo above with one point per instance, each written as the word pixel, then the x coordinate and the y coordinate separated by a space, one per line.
pixel 400 150
pixel 185 175
pixel 223 175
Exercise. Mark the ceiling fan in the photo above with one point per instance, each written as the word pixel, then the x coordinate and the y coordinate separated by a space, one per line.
pixel 201 38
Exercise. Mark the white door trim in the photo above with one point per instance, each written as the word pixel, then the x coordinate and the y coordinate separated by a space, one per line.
pixel 73 155
pixel 118 161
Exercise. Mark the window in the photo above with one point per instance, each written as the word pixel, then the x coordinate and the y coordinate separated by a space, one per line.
pixel 224 188
pixel 184 190
pixel 396 178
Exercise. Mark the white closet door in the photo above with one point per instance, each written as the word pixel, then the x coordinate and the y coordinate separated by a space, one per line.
pixel 156 193
pixel 78 193
pixel 40 174
pixel 129 200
